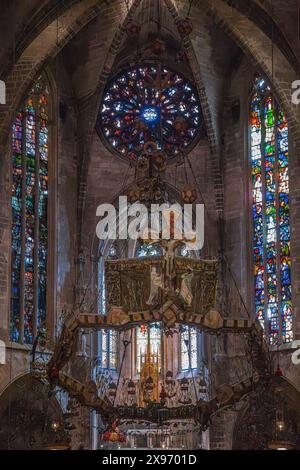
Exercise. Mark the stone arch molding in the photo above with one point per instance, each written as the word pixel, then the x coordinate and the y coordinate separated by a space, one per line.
pixel 258 47
pixel 13 379
pixel 27 431
pixel 45 47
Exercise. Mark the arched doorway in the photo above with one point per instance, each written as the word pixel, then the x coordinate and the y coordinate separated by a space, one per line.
pixel 30 416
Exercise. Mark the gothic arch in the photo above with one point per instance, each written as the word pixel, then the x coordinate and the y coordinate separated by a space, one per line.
pixel 27 413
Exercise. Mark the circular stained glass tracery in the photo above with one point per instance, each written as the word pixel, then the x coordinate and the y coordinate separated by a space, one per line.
pixel 149 103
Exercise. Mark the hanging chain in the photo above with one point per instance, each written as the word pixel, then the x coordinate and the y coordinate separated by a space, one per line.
pixel 189 351
pixel 127 5
pixel 126 344
pixel 190 2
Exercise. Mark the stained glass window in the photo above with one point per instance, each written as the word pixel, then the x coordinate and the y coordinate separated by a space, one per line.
pixel 188 348
pixel 148 249
pixel 29 215
pixel 108 339
pixel 149 103
pixel 271 214
pixel 148 341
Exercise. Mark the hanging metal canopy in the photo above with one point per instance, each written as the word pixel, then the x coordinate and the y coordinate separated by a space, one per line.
pixel 164 288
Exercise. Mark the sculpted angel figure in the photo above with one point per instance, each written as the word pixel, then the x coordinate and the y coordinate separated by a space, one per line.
pixel 186 287
pixel 82 350
pixel 156 283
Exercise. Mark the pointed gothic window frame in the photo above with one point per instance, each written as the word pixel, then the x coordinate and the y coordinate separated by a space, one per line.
pixel 269 162
pixel 108 347
pixel 31 169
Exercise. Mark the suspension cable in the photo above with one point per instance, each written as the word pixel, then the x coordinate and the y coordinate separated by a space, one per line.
pixel 126 344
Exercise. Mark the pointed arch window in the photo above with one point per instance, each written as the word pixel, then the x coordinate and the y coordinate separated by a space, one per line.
pixel 108 339
pixel 29 234
pixel 188 348
pixel 269 152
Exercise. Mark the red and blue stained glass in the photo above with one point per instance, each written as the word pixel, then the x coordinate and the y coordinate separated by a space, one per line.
pixel 271 225
pixel 29 215
pixel 149 103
